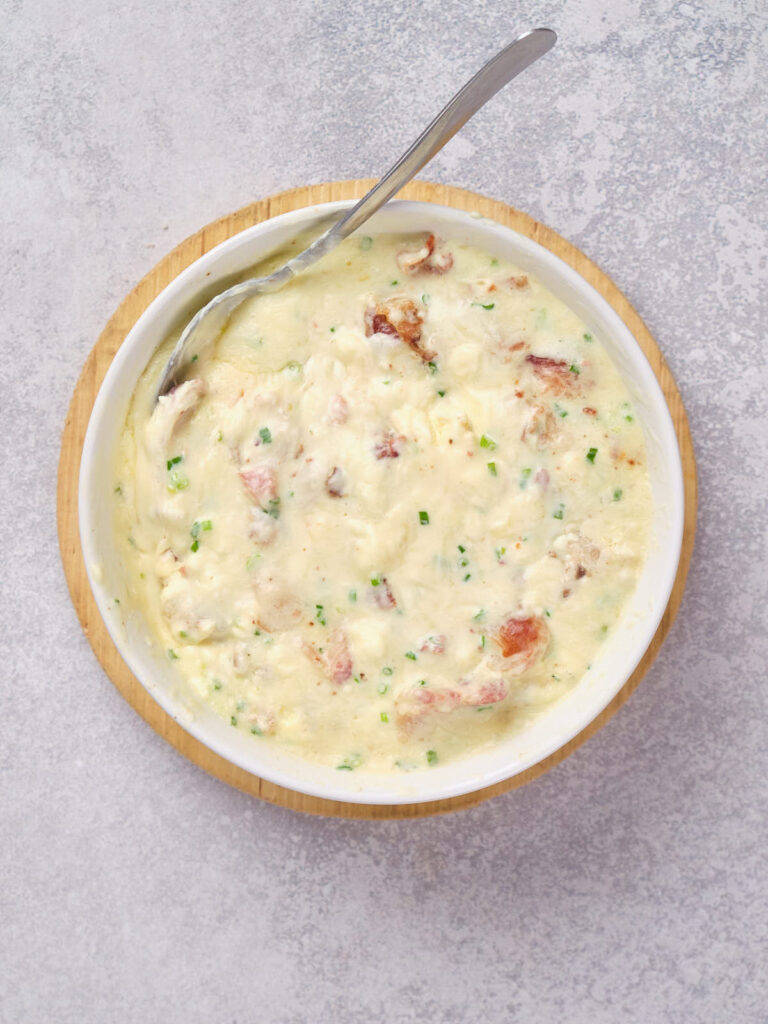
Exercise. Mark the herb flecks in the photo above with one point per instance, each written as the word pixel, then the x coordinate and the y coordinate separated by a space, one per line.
pixel 350 763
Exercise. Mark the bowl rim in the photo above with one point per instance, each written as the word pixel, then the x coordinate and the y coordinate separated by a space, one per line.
pixel 472 782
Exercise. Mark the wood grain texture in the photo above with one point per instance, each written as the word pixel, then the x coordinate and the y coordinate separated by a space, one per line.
pixel 77 421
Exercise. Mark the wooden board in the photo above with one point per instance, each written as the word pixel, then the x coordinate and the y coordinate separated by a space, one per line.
pixel 77 421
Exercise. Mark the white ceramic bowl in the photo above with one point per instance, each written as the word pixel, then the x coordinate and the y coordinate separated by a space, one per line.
pixel 558 724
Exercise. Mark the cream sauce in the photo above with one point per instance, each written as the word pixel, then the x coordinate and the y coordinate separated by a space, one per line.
pixel 395 510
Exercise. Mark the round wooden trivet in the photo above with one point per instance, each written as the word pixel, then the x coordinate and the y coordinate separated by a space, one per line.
pixel 80 410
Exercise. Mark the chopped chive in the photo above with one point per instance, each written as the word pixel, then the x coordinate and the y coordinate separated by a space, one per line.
pixel 366 242
pixel 217 685
pixel 487 442
pixel 431 757
pixel 548 613
pixel 266 435
pixel 320 614
pixel 233 720
pixel 257 632
pixel 387 671
pixel 411 655
pixel 629 419
pixel 352 595
pixel 461 548
pixel 467 577
pixel 617 494
pixel 393 283
pixel 384 716
pixel 484 305
pixel 424 518
pixel 174 461
pixel 256 731
pixel 195 545
pixel 482 641
pixel 591 455
pixel 603 629
pixel 425 298
pixel 177 481
pixel 182 634
pixel 219 436
pixel 333 329
pixel 172 654
pixel 492 469
pixel 274 508
pixel 432 367
pixel 587 337
pixel 559 513
pixel 499 552
pixel 382 688
pixel 562 413
pixel 422 682
pixel 494 262
pixel 375 581
pixel 349 763
pixel 441 393
pixel 524 475
pixel 479 615
pixel 193 359
pixel 574 369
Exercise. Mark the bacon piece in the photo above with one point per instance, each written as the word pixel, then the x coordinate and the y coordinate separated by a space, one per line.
pixel 540 426
pixel 414 705
pixel 489 692
pixel 589 411
pixel 338 409
pixel 425 259
pixel 555 374
pixel 522 641
pixel 518 281
pixel 335 659
pixel 398 317
pixel 382 595
pixel 433 644
pixel 261 483
pixel 335 483
pixel 389 447
pixel 581 554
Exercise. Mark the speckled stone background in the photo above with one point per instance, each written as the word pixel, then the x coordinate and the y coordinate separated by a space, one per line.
pixel 631 883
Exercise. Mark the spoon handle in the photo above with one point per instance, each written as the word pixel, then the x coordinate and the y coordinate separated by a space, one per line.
pixel 500 70
pixel 211 320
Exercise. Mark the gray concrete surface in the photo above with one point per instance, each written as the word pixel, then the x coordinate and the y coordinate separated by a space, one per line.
pixel 629 885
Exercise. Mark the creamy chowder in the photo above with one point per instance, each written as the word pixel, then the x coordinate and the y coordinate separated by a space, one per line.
pixel 393 513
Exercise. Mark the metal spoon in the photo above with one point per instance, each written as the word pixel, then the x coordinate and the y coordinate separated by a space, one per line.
pixel 206 325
